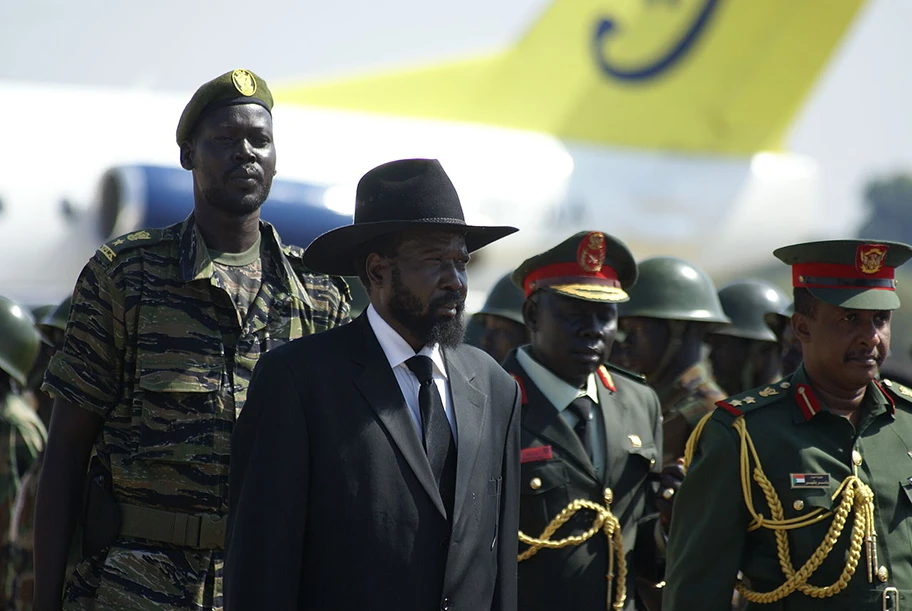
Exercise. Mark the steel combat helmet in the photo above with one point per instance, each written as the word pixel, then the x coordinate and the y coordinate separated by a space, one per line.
pixel 19 340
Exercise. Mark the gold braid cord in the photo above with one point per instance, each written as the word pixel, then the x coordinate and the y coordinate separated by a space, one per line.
pixel 604 521
pixel 856 496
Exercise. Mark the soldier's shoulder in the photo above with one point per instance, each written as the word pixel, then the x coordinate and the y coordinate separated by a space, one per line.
pixel 626 373
pixel 311 279
pixel 755 402
pixel 897 391
pixel 130 242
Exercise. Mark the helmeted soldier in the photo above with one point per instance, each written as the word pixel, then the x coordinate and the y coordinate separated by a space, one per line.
pixel 780 323
pixel 746 353
pixel 22 434
pixel 501 320
pixel 671 309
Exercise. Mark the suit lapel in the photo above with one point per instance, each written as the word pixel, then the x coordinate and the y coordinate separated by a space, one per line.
pixel 469 406
pixel 541 418
pixel 377 383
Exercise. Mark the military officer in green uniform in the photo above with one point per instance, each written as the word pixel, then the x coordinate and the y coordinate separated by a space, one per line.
pixel 166 328
pixel 805 485
pixel 501 320
pixel 591 435
pixel 746 353
pixel 671 309
pixel 22 434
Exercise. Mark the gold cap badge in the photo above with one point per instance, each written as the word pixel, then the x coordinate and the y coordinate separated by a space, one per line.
pixel 244 82
pixel 869 258
pixel 591 252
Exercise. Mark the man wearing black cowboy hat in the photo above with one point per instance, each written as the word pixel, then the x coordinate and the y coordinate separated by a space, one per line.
pixel 376 466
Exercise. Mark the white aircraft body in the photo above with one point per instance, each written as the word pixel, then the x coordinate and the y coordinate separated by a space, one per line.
pixel 660 126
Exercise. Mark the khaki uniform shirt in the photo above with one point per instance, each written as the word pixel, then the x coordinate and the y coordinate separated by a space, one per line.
pixel 690 397
pixel 156 347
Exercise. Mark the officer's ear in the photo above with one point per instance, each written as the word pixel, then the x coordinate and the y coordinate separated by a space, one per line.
pixel 186 155
pixel 801 327
pixel 530 312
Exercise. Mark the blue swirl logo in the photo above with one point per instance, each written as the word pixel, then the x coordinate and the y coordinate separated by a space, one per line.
pixel 606 29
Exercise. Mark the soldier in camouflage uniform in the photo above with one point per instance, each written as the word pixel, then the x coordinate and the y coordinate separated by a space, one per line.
pixel 22 435
pixel 165 330
pixel 671 309
pixel 21 573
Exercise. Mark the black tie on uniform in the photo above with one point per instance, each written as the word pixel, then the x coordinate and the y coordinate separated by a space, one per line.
pixel 584 408
pixel 438 437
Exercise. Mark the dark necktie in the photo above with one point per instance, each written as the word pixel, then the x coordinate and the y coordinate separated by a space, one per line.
pixel 436 433
pixel 584 408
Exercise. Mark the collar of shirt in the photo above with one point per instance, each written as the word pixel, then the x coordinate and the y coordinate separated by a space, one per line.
pixel 396 349
pixel 557 391
pixel 196 264
pixel 875 403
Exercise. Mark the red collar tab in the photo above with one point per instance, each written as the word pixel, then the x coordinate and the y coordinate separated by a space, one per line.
pixel 731 410
pixel 522 389
pixel 568 273
pixel 606 379
pixel 889 398
pixel 839 276
pixel 807 401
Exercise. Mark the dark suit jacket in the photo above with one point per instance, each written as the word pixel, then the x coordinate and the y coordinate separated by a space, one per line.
pixel 574 577
pixel 332 500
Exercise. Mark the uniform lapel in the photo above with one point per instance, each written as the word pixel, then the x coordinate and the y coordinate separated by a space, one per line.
pixel 614 415
pixel 469 406
pixel 541 418
pixel 378 385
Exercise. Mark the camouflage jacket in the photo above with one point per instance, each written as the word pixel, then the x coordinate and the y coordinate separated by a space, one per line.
pixel 22 437
pixel 156 347
pixel 692 395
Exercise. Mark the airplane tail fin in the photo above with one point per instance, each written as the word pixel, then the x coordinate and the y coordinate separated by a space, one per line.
pixel 713 76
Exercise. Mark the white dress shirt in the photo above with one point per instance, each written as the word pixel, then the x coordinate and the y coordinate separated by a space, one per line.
pixel 397 352
pixel 561 395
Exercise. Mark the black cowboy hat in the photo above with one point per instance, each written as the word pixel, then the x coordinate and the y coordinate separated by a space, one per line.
pixel 393 197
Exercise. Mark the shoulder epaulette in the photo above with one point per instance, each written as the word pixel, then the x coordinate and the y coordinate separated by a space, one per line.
pixel 144 237
pixel 738 405
pixel 630 374
pixel 291 250
pixel 897 389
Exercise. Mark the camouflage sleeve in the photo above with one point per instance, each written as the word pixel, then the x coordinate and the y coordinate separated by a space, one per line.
pixel 88 369
pixel 331 298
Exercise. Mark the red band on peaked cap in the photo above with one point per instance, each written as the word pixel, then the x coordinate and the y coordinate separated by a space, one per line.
pixel 568 272
pixel 839 276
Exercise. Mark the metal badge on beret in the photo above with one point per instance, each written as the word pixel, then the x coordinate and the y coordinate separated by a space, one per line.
pixel 244 82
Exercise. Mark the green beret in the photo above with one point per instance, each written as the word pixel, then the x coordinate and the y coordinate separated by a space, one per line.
pixel 589 265
pixel 236 87
pixel 854 274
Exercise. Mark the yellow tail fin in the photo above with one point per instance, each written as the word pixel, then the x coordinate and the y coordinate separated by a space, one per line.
pixel 720 76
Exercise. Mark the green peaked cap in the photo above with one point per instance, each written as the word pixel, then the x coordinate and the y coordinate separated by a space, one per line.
pixel 589 265
pixel 856 274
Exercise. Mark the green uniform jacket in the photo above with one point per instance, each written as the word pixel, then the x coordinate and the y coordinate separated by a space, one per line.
pixel 806 452
pixel 556 470
pixel 156 347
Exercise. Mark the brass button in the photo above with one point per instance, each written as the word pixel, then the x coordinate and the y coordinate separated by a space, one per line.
pixel 887 383
pixel 668 493
pixel 609 495
pixel 652 461
pixel 798 505
pixel 883 574
pixel 856 457
pixel 536 483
